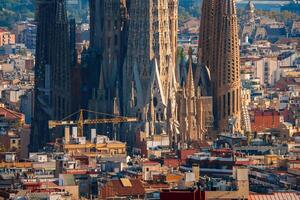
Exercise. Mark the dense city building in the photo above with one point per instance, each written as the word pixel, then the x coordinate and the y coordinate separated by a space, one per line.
pixel 145 100
pixel 130 69
pixel 6 37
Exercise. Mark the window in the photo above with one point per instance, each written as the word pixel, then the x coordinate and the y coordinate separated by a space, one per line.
pixel 224 106
pixel 116 40
pixel 228 104
pixel 155 101
pixel 108 42
pixel 108 25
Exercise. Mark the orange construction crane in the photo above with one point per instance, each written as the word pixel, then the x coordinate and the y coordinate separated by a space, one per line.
pixel 81 121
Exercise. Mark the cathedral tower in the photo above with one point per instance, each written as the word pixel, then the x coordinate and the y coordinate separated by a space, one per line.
pixel 219 50
pixel 250 11
pixel 228 83
pixel 150 50
pixel 52 69
pixel 61 64
pixel 207 33
pixel 192 132
pixel 173 23
pixel 108 44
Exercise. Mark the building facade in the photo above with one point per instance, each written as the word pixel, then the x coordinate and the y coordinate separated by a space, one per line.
pixel 6 37
pixel 149 65
pixel 103 61
pixel 173 23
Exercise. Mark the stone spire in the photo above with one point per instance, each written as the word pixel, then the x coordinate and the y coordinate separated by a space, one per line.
pixel 207 33
pixel 191 102
pixel 173 16
pixel 250 9
pixel 189 83
pixel 116 109
pixel 101 87
pixel 209 43
pixel 228 72
pixel 151 115
pixel 132 99
pixel 61 14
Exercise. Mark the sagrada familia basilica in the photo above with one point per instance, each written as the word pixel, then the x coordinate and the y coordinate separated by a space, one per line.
pixel 140 74
pixel 132 68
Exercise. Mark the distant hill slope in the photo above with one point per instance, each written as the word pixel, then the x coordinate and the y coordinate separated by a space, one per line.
pixel 15 10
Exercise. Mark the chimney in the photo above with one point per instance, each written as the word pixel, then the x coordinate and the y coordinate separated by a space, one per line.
pixel 74 132
pixel 67 135
pixel 93 135
pixel 196 171
pixel 240 174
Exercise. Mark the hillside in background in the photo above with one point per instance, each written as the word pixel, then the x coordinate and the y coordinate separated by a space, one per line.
pixel 188 9
pixel 12 11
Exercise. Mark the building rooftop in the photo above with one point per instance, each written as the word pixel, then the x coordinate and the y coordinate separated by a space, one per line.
pixel 2 30
pixel 10 114
pixel 275 196
pixel 128 187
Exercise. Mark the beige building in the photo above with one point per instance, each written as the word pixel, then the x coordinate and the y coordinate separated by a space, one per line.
pixel 6 37
pixel 240 176
pixel 266 69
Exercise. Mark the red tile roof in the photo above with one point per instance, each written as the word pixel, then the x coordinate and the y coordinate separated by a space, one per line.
pixel 2 30
pixel 275 196
pixel 150 163
pixel 294 161
pixel 266 113
pixel 135 190
pixel 244 163
pixel 10 114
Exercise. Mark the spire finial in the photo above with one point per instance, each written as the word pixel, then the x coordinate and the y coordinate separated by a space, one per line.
pixel 189 84
pixel 190 52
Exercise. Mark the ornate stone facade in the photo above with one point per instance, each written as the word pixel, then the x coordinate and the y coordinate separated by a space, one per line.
pixel 129 68
pixel 103 61
pixel 173 23
pixel 149 63
pixel 194 109
pixel 108 41
pixel 130 61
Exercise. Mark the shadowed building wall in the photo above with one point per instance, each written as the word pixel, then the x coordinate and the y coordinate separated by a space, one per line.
pixel 52 92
